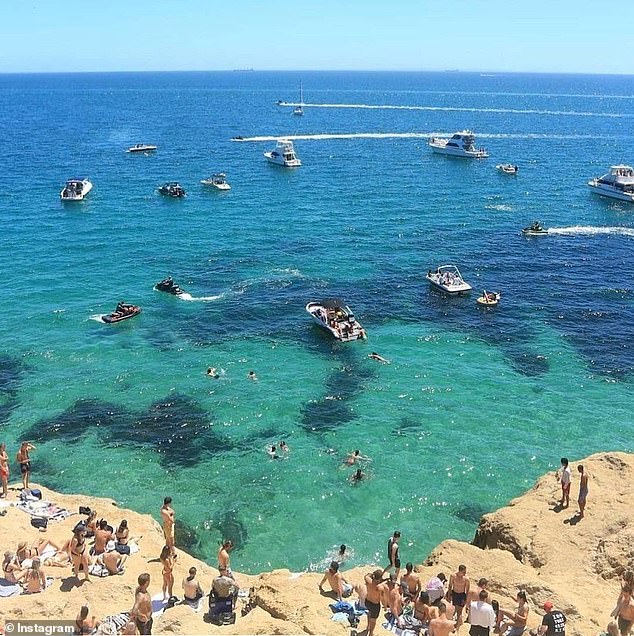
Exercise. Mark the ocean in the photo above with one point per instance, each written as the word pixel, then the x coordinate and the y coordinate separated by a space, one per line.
pixel 475 404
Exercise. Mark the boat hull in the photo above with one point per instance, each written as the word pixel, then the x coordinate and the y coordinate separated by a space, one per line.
pixel 281 162
pixel 87 187
pixel 458 152
pixel 610 193
pixel 450 289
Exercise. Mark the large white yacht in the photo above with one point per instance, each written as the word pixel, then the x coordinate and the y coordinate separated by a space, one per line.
pixel 461 144
pixel 335 316
pixel 283 155
pixel 75 189
pixel 449 279
pixel 616 184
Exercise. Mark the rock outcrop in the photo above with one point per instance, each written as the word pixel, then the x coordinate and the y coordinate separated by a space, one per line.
pixel 531 544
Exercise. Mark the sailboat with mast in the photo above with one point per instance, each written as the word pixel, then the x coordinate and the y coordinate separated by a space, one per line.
pixel 299 110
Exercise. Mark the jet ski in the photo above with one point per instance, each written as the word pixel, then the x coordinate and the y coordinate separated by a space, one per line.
pixel 169 286
pixel 122 312
pixel 535 229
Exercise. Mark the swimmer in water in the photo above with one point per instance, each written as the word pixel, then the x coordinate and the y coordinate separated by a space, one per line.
pixel 375 356
pixel 272 452
pixel 357 476
pixel 284 447
pixel 252 376
pixel 355 457
pixel 212 373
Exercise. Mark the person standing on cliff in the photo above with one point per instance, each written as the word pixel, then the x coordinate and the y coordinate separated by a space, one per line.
pixel 24 460
pixel 458 591
pixel 141 611
pixel 583 490
pixel 624 611
pixel 554 621
pixel 481 616
pixel 223 556
pixel 392 553
pixel 565 478
pixel 373 598
pixel 169 520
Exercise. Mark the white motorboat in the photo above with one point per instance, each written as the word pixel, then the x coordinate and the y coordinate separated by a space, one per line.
pixel 218 181
pixel 461 144
pixel 283 155
pixel 449 279
pixel 616 184
pixel 335 316
pixel 142 148
pixel 507 168
pixel 75 189
pixel 299 109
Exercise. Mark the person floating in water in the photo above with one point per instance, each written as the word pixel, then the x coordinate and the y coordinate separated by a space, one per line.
pixel 213 373
pixel 252 376
pixel 272 452
pixel 375 356
pixel 284 446
pixel 357 476
pixel 355 457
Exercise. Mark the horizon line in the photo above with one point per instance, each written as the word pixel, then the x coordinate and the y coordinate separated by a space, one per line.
pixel 351 70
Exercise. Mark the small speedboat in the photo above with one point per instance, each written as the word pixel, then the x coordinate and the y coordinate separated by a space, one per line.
pixel 507 168
pixel 122 312
pixel 488 299
pixel 448 279
pixel 142 148
pixel 335 316
pixel 283 155
pixel 461 144
pixel 169 286
pixel 172 189
pixel 616 184
pixel 218 181
pixel 535 229
pixel 75 189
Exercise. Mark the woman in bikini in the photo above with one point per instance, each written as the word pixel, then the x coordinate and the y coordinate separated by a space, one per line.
pixel 23 552
pixel 91 524
pixel 78 552
pixel 33 579
pixel 10 568
pixel 122 536
pixel 4 469
pixel 168 572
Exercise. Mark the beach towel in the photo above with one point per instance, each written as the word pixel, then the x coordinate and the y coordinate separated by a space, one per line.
pixel 118 621
pixel 9 589
pixel 96 569
pixel 159 605
pixel 44 509
pixel 391 626
pixel 196 605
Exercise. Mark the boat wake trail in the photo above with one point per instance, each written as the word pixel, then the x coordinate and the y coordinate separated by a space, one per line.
pixel 97 317
pixel 418 135
pixel 189 297
pixel 462 109
pixel 590 230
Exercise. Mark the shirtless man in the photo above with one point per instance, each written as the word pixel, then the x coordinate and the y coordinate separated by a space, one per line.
pixel 458 591
pixel 141 611
pixel 396 603
pixel 338 584
pixel 392 553
pixel 191 587
pixel 625 611
pixel 223 556
pixel 441 626
pixel 22 457
pixel 102 536
pixel 111 559
pixel 169 520
pixel 412 582
pixel 373 598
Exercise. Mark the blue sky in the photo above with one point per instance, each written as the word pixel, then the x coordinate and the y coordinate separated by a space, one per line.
pixel 112 35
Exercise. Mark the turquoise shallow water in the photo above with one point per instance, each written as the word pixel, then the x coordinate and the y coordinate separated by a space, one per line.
pixel 475 404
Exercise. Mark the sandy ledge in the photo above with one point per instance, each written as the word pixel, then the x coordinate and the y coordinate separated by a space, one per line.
pixel 526 544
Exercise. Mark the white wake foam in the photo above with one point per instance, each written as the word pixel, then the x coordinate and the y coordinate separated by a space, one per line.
pixel 97 317
pixel 189 297
pixel 464 109
pixel 416 135
pixel 590 230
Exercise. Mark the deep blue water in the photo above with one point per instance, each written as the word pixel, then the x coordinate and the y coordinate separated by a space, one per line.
pixel 126 411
